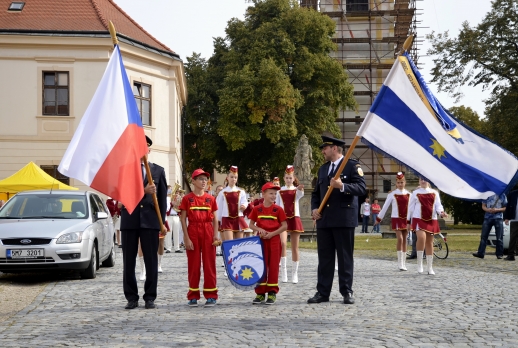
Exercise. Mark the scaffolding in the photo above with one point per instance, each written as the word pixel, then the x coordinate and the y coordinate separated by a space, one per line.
pixel 369 35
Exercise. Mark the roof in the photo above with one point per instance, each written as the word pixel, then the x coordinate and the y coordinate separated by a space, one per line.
pixel 77 16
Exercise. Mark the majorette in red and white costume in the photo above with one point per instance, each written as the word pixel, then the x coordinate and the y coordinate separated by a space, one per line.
pixel 399 200
pixel 288 199
pixel 229 200
pixel 425 205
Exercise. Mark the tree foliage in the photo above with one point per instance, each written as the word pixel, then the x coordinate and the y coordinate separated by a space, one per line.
pixel 270 80
pixel 485 55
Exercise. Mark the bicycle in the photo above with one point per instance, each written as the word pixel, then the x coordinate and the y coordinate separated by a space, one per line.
pixel 440 247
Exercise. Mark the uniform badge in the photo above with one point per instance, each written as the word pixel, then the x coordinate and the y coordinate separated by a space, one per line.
pixel 360 171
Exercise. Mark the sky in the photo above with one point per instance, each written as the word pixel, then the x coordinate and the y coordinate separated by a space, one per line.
pixel 190 26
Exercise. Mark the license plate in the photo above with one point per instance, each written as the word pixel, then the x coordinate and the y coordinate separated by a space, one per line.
pixel 25 253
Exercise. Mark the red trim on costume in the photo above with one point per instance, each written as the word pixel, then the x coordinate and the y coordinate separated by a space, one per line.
pixel 232 199
pixel 431 226
pixel 288 200
pixel 427 201
pixel 402 204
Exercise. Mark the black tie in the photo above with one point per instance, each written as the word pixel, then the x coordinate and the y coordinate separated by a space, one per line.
pixel 332 169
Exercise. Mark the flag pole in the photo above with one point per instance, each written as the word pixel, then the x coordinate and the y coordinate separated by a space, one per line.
pixel 113 34
pixel 406 46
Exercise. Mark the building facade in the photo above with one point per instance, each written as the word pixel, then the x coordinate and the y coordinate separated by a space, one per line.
pixel 52 56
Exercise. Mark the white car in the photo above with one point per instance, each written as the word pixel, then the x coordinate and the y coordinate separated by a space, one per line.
pixel 56 230
pixel 491 240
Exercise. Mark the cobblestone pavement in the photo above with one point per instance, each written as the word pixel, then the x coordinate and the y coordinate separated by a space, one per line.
pixel 465 306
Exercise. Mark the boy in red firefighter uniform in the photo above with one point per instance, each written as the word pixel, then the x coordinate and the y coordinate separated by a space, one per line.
pixel 269 220
pixel 200 208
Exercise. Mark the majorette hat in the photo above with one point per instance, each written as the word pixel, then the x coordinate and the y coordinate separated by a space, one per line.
pixel 400 175
pixel 199 172
pixel 269 185
pixel 289 169
pixel 276 179
pixel 233 169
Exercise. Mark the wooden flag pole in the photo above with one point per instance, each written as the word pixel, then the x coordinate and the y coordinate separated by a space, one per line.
pixel 406 46
pixel 113 34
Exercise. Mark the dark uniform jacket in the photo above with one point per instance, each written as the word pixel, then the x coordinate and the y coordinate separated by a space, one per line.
pixel 510 209
pixel 144 215
pixel 341 209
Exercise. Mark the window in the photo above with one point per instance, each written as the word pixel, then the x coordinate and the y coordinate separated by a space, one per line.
pixel 142 94
pixel 53 172
pixel 55 93
pixel 357 5
pixel 16 6
pixel 387 186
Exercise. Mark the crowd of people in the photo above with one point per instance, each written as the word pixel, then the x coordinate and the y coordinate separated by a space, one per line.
pixel 201 221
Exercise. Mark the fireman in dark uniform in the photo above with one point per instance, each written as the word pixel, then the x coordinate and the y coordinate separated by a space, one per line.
pixel 337 220
pixel 143 224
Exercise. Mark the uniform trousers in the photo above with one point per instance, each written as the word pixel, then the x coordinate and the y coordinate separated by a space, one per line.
pixel 176 228
pixel 340 239
pixel 513 241
pixel 201 235
pixel 272 257
pixel 168 239
pixel 149 243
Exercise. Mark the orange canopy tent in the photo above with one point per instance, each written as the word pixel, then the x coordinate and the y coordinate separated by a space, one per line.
pixel 30 177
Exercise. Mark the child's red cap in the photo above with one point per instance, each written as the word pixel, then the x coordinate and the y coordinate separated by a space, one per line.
pixel 199 172
pixel 270 185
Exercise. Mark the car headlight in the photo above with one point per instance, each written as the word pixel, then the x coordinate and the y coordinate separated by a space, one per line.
pixel 73 237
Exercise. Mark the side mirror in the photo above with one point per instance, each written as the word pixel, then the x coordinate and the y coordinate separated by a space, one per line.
pixel 101 215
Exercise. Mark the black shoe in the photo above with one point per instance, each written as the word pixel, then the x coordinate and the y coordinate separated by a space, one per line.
pixel 120 245
pixel 131 305
pixel 349 299
pixel 411 257
pixel 168 251
pixel 499 257
pixel 271 298
pixel 509 258
pixel 478 255
pixel 259 298
pixel 150 304
pixel 318 298
pixel 178 251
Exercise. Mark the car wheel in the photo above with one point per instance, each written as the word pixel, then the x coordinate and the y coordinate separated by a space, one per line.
pixel 91 271
pixel 110 261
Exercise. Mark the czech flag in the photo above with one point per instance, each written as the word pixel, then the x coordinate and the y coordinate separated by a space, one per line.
pixel 109 142
pixel 407 123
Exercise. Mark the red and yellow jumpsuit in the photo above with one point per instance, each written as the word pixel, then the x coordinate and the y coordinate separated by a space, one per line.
pixel 200 214
pixel 269 219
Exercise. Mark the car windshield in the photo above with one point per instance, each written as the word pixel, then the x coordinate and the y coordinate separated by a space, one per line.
pixel 45 206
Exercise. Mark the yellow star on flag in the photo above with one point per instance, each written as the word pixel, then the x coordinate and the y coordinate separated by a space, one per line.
pixel 438 149
pixel 247 273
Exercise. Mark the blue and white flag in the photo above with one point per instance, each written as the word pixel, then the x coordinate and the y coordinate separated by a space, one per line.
pixel 407 123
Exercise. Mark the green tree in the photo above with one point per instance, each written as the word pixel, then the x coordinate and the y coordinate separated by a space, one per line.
pixel 469 117
pixel 269 81
pixel 485 55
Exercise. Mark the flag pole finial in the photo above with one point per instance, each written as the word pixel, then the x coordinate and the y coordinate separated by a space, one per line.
pixel 113 33
pixel 408 43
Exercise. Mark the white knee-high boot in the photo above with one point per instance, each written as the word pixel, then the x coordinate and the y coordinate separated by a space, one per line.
pixel 420 261
pixel 429 262
pixel 160 263
pixel 284 271
pixel 294 272
pixel 403 261
pixel 142 268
